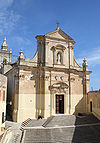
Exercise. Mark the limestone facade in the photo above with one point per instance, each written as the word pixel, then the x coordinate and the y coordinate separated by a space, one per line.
pixel 50 83
pixel 3 91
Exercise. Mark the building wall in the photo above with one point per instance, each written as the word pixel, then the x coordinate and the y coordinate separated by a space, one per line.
pixel 22 85
pixel 27 94
pixel 3 91
pixel 33 84
pixel 94 97
pixel 31 94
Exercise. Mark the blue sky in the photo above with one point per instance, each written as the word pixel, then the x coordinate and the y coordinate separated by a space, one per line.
pixel 22 20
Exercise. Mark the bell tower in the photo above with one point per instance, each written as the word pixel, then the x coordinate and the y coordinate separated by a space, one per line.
pixel 4 46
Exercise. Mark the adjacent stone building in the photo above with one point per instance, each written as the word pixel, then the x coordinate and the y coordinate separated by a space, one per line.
pixel 51 83
pixel 93 102
pixel 3 91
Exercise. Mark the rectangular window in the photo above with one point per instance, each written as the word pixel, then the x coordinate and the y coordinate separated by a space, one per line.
pixel 3 95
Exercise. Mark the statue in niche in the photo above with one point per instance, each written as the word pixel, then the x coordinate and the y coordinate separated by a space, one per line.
pixel 59 58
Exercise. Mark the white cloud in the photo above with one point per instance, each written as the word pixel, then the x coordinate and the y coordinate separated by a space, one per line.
pixel 4 4
pixel 7 21
pixel 8 18
pixel 93 57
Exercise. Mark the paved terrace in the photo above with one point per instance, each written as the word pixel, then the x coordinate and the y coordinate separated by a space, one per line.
pixel 63 129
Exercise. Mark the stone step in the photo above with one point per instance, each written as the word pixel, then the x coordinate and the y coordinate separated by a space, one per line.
pixel 64 135
pixel 68 120
pixel 26 122
pixel 48 121
pixel 36 123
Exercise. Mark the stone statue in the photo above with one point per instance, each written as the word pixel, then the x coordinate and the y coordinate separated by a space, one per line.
pixel 58 58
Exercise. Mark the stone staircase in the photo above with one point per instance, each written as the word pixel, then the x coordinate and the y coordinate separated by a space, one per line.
pixel 36 123
pixel 48 121
pixel 65 129
pixel 55 129
pixel 69 120
pixel 25 123
pixel 64 120
pixel 63 135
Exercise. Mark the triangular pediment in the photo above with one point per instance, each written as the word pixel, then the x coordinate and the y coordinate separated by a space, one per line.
pixel 59 34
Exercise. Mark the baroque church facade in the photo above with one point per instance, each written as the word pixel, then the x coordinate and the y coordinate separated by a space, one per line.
pixel 51 83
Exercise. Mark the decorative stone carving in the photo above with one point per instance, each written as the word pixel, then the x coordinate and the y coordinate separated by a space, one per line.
pixel 21 55
pixel 85 65
pixel 62 77
pixel 28 77
pixel 46 78
pixel 59 58
pixel 56 77
pixel 59 88
pixel 72 79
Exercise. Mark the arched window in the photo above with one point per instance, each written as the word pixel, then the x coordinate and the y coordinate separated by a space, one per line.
pixel 59 58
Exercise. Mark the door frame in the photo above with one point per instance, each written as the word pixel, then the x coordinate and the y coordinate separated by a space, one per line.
pixel 56 103
pixel 91 106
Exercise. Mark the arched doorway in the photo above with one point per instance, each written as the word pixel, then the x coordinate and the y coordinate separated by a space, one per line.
pixel 90 106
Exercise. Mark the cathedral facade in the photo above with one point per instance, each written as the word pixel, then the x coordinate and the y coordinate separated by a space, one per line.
pixel 51 83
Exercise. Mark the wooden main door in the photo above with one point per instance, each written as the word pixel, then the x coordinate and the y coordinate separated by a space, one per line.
pixel 59 104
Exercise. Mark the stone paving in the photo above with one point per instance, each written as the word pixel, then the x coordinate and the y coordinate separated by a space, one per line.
pixel 72 120
pixel 35 123
pixel 56 129
pixel 65 129
pixel 64 135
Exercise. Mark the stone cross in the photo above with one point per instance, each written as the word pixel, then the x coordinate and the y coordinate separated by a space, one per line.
pixel 57 24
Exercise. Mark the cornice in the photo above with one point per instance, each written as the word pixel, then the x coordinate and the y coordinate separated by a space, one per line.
pixel 54 38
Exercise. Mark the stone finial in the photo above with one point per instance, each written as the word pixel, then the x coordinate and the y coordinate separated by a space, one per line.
pixel 5 39
pixel 10 51
pixel 4 46
pixel 57 28
pixel 57 24
pixel 69 44
pixel 21 56
pixel 85 65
